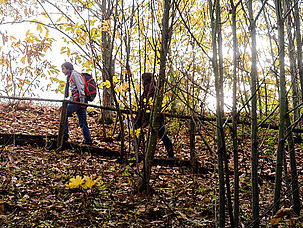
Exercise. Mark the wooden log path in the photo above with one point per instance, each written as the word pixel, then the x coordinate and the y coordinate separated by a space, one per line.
pixel 57 140
pixel 50 143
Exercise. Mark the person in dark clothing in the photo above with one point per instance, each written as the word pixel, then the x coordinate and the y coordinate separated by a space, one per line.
pixel 143 116
pixel 75 85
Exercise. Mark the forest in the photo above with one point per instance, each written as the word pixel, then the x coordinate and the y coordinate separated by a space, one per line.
pixel 228 78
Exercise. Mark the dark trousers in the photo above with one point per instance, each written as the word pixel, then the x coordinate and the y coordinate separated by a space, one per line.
pixel 164 137
pixel 81 113
pixel 161 132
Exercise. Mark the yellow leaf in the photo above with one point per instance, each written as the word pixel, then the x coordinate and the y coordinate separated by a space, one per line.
pixel 88 182
pixel 119 89
pixel 138 87
pixel 23 59
pixel 47 31
pixel 206 200
pixel 115 79
pixel 39 28
pixel 138 132
pixel 293 222
pixel 125 86
pixel 106 83
pixel 75 182
pixel 275 220
pixel 106 25
pixel 284 211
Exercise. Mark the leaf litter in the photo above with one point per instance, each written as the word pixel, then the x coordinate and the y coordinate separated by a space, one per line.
pixel 35 191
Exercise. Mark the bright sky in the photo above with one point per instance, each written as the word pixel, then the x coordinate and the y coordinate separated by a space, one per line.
pixel 18 30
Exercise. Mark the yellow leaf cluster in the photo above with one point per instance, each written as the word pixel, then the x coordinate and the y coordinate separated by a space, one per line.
pixel 122 88
pixel 106 84
pixel 137 132
pixel 75 182
pixel 79 182
pixel 115 79
pixel 281 214
pixel 106 26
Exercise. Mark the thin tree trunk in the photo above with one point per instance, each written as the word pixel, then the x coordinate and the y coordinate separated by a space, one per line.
pixel 156 110
pixel 235 115
pixel 299 45
pixel 294 175
pixel 290 140
pixel 220 137
pixel 254 124
pixel 221 100
pixel 292 62
pixel 107 70
pixel 283 108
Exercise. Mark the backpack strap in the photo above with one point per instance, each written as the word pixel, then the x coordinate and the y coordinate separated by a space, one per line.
pixel 76 95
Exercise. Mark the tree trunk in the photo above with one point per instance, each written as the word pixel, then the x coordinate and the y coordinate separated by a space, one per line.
pixel 299 46
pixel 158 97
pixel 221 112
pixel 292 62
pixel 293 166
pixel 215 23
pixel 235 115
pixel 254 124
pixel 283 108
pixel 107 71
pixel 290 140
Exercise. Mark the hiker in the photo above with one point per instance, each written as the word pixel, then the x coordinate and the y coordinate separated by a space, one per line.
pixel 75 84
pixel 142 118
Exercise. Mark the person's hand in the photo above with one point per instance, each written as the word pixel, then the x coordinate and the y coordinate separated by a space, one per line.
pixel 83 100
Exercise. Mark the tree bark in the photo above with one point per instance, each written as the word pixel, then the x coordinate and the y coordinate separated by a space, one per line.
pixel 299 45
pixel 294 176
pixel 292 62
pixel 254 117
pixel 283 108
pixel 107 71
pixel 235 115
pixel 293 166
pixel 215 23
pixel 158 97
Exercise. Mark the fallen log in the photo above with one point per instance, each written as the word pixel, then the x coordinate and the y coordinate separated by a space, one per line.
pixel 20 139
pixel 50 142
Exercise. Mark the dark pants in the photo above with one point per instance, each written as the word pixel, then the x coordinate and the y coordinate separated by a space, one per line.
pixel 164 137
pixel 81 113
pixel 161 132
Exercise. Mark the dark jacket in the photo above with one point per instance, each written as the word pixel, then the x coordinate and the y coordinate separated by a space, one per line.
pixel 142 118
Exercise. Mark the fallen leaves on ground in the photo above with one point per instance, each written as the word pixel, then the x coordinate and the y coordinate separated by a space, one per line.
pixel 40 187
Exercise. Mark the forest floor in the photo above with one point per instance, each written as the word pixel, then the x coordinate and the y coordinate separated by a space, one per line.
pixel 49 188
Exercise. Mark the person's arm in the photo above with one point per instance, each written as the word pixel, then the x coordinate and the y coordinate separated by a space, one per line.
pixel 80 84
pixel 66 90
